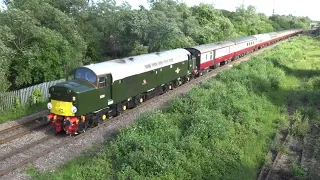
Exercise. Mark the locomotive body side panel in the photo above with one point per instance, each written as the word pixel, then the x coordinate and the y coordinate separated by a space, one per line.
pixel 134 85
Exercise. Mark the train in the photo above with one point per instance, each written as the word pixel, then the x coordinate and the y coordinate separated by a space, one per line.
pixel 97 92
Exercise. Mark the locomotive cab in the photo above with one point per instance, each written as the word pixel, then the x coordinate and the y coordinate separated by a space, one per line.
pixel 71 101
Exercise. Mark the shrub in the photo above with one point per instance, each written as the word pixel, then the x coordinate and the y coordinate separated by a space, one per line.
pixel 300 126
pixel 36 97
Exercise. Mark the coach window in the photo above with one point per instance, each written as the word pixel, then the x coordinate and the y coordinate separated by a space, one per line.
pixel 102 82
pixel 211 56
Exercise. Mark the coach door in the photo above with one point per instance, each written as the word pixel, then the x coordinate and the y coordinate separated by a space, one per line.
pixel 192 62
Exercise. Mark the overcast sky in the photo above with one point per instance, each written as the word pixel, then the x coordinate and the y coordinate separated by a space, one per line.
pixel 298 8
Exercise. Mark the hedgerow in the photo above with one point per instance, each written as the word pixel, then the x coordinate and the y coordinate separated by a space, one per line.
pixel 219 130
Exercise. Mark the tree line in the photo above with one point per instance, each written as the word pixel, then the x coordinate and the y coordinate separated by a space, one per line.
pixel 43 40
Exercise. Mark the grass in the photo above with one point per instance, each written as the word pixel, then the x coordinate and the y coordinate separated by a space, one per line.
pixel 220 130
pixel 20 111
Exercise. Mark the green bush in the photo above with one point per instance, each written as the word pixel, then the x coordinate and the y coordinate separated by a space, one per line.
pixel 300 126
pixel 36 97
pixel 297 171
pixel 21 111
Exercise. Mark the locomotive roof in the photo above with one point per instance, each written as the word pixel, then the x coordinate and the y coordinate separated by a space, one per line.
pixel 212 46
pixel 244 39
pixel 129 66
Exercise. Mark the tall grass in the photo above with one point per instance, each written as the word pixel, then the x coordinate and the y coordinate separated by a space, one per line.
pixel 220 130
pixel 21 111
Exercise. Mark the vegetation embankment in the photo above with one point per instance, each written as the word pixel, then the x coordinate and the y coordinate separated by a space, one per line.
pixel 21 111
pixel 35 103
pixel 220 130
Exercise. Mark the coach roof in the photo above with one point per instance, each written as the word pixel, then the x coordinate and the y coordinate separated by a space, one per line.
pixel 129 66
pixel 212 46
pixel 244 39
pixel 262 37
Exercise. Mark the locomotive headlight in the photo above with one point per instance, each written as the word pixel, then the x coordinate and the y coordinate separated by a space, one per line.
pixel 74 98
pixel 74 109
pixel 49 105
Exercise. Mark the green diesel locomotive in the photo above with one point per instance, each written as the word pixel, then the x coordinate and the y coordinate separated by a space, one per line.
pixel 99 91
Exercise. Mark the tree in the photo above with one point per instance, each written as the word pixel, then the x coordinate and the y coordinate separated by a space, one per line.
pixel 43 40
pixel 6 54
pixel 213 26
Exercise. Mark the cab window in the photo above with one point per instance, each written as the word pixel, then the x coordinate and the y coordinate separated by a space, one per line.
pixel 102 82
pixel 86 74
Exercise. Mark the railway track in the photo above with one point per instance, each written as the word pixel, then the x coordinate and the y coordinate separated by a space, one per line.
pixel 20 130
pixel 52 142
pixel 266 172
pixel 28 153
pixel 281 162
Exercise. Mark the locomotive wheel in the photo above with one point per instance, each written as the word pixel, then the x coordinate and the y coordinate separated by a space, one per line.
pixel 138 100
pixel 175 84
pixel 104 117
pixel 121 107
pixel 179 82
pixel 171 86
pixel 165 88
pixel 187 79
pixel 83 128
pixel 94 121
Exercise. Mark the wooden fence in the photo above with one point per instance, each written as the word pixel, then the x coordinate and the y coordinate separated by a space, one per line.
pixel 8 99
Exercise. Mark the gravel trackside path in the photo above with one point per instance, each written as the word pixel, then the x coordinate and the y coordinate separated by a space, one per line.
pixel 23 120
